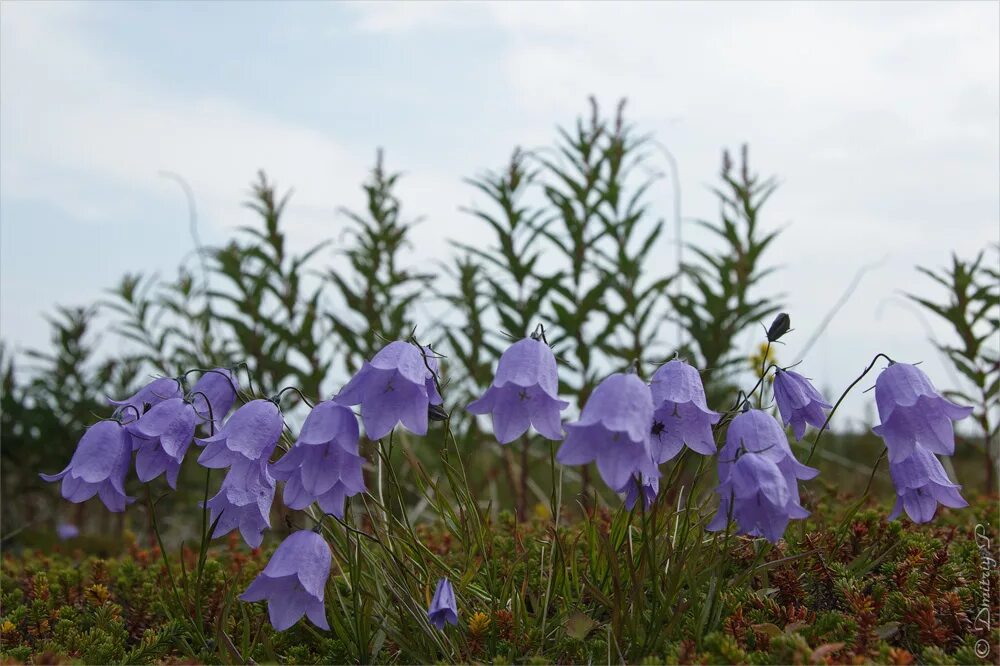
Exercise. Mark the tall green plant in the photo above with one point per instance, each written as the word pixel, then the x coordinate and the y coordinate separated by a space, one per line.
pixel 723 299
pixel 379 291
pixel 268 312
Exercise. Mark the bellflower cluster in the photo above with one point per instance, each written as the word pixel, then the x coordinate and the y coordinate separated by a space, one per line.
pixel 758 478
pixel 156 422
pixel 614 431
pixel 524 393
pixel 323 466
pixel 916 423
pixel 682 415
pixel 399 385
pixel 443 608
pixel 294 580
pixel 799 402
pixel 244 444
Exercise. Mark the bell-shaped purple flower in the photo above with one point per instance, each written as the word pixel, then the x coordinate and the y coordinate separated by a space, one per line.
pixel 681 413
pixel 67 531
pixel 613 430
pixel 443 607
pixel 754 435
pixel 219 387
pixel 649 488
pixel 294 581
pixel 98 467
pixel 324 465
pixel 396 386
pixel 250 434
pixel 912 412
pixel 921 484
pixel 756 495
pixel 161 438
pixel 244 502
pixel 150 395
pixel 799 402
pixel 524 393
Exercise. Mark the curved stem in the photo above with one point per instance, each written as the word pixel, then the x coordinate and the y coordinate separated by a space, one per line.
pixel 841 399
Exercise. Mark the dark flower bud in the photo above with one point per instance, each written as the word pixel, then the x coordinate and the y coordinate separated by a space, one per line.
pixel 779 327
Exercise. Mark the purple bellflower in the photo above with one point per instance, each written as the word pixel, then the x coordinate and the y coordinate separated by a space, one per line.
pixel 682 415
pixel 67 531
pixel 161 438
pixel 244 502
pixel 98 466
pixel 754 435
pixel 912 412
pixel 249 435
pixel 324 465
pixel 614 431
pixel 150 395
pixel 397 385
pixel 294 580
pixel 799 402
pixel 921 484
pixel 443 608
pixel 649 488
pixel 524 393
pixel 219 387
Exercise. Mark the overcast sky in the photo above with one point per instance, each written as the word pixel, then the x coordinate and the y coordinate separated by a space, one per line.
pixel 881 121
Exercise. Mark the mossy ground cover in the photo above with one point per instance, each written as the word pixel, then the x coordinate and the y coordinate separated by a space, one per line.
pixel 835 591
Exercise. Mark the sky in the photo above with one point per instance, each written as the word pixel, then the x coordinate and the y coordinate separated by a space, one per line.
pixel 881 122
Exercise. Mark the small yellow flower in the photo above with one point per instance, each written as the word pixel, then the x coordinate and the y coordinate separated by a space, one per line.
pixel 478 623
pixel 542 511
pixel 7 628
pixel 757 360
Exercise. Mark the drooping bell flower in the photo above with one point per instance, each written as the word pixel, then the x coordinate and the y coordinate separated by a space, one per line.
pixel 756 496
pixel 755 434
pixel 681 413
pixel 150 395
pixel 799 402
pixel 443 607
pixel 250 434
pixel 161 438
pixel 67 531
pixel 524 393
pixel 921 484
pixel 219 387
pixel 614 431
pixel 244 502
pixel 324 465
pixel 912 412
pixel 396 386
pixel 649 488
pixel 98 467
pixel 294 581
